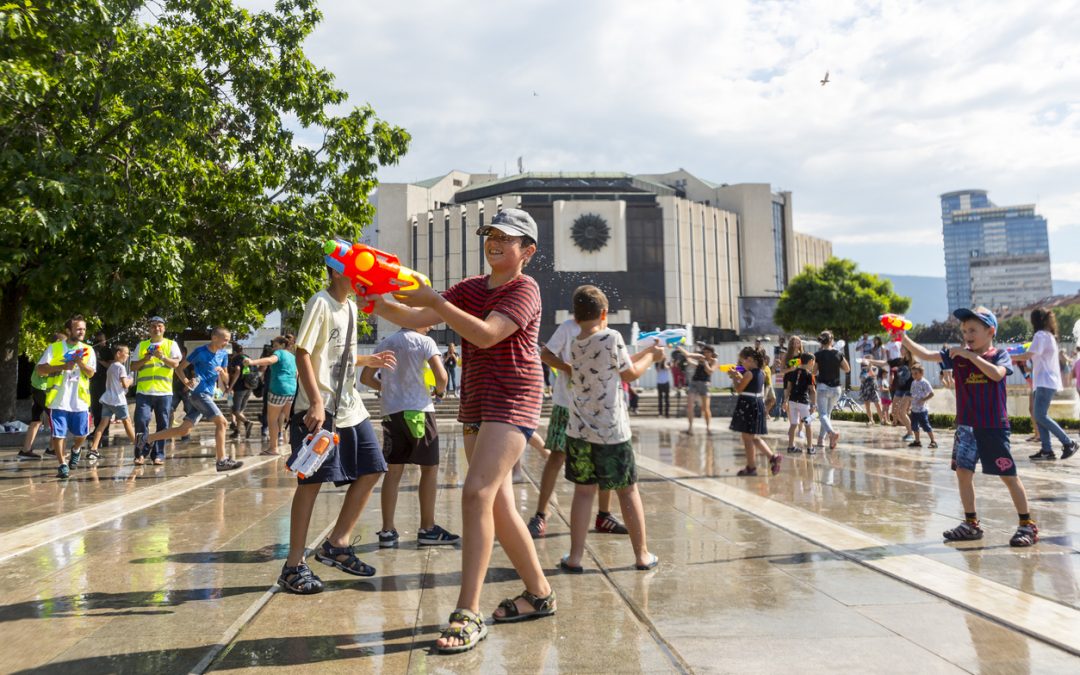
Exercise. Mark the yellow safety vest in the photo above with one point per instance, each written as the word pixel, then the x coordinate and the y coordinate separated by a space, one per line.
pixel 54 382
pixel 154 377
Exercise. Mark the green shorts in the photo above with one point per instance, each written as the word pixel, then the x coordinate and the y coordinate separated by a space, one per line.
pixel 556 429
pixel 611 467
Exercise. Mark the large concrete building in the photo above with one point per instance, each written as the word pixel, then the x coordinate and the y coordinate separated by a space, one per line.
pixel 668 249
pixel 997 256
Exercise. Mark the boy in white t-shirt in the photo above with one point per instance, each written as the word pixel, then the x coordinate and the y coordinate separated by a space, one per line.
pixel 410 433
pixel 556 353
pixel 598 449
pixel 114 401
pixel 327 398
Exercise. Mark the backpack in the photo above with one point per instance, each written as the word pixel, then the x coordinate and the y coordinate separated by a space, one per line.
pixel 252 378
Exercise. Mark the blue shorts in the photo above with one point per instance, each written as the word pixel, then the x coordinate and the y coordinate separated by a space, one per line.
pixel 65 422
pixel 472 428
pixel 921 421
pixel 990 447
pixel 120 412
pixel 358 452
pixel 202 405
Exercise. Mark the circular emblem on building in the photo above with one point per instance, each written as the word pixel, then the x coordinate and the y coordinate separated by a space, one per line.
pixel 590 232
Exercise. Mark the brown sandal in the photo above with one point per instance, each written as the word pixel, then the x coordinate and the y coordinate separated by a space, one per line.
pixel 541 607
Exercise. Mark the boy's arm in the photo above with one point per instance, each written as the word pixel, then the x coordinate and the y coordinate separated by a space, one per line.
pixel 920 352
pixel 403 315
pixel 639 364
pixel 549 357
pixel 787 392
pixel 305 373
pixel 367 376
pixel 992 370
pixel 441 377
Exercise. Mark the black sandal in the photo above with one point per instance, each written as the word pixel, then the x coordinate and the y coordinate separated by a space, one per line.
pixel 328 555
pixel 471 631
pixel 300 580
pixel 541 607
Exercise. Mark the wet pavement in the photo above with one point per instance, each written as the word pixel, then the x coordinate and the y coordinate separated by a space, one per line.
pixel 836 564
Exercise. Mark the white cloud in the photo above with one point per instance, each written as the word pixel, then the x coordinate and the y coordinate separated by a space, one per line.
pixel 1065 270
pixel 924 98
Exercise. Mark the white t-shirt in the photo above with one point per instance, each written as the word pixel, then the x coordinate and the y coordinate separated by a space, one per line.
pixel 115 391
pixel 1045 370
pixel 559 345
pixel 598 411
pixel 174 353
pixel 920 391
pixel 403 388
pixel 68 396
pixel 892 350
pixel 323 334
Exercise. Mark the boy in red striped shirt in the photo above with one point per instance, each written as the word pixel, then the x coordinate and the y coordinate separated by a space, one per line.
pixel 982 420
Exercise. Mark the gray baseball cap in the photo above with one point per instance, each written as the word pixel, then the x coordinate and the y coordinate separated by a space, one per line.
pixel 157 319
pixel 514 222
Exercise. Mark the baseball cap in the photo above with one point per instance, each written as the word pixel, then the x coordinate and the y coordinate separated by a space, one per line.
pixel 978 313
pixel 514 222
pixel 156 319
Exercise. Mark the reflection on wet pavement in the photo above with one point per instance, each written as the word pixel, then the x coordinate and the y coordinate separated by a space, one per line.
pixel 182 582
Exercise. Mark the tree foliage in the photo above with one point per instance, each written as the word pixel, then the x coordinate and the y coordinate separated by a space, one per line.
pixel 149 162
pixel 938 332
pixel 837 297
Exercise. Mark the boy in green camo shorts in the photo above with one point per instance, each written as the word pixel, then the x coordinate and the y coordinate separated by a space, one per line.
pixel 599 454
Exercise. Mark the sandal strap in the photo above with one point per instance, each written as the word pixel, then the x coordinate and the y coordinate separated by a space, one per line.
pixel 465 616
pixel 352 562
pixel 539 604
pixel 509 607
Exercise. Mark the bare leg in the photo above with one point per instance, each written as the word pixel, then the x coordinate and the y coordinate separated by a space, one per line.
pixel 31 435
pixel 221 426
pixel 388 497
pixel 791 435
pixel 58 448
pixel 356 498
pixel 690 410
pixel 429 485
pixel 129 429
pixel 302 505
pixel 552 468
pixel 580 514
pixel 748 446
pixel 634 512
pixel 1017 492
pixel 273 415
pixel 605 501
pixel 760 442
pixel 99 432
pixel 706 412
pixel 965 481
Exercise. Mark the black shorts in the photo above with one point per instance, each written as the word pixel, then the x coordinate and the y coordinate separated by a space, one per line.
pixel 401 446
pixel 38 408
pixel 358 453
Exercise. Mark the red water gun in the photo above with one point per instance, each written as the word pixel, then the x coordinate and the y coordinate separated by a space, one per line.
pixel 371 271
pixel 895 324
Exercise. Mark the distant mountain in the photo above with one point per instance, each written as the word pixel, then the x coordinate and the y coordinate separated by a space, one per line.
pixel 929 300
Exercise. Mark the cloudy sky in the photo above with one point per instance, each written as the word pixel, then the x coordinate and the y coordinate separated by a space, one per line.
pixel 924 98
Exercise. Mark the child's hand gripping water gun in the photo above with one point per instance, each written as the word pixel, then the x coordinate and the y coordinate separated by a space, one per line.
pixel 371 271
pixel 895 324
pixel 314 451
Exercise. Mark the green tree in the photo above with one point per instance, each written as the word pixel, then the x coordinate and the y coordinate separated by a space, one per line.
pixel 148 164
pixel 938 332
pixel 837 297
pixel 1015 329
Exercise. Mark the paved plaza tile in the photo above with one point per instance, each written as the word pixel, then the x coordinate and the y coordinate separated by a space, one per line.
pixel 834 565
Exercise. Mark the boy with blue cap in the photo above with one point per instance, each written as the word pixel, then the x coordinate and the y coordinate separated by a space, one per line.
pixel 982 420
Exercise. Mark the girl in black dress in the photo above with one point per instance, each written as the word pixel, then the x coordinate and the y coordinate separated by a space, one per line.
pixel 749 417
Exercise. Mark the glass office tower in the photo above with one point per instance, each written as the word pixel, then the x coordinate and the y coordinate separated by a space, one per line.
pixel 976 228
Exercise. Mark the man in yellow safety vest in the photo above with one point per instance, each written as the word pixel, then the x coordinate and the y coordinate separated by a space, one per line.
pixel 155 360
pixel 67 366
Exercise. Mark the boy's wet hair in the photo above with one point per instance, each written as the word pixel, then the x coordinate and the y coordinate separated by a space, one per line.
pixel 755 353
pixel 117 349
pixel 589 303
pixel 805 358
pixel 917 368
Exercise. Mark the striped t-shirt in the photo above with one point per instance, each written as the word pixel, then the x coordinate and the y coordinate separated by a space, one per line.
pixel 980 402
pixel 505 382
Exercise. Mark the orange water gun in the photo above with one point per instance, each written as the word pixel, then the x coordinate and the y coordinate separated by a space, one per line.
pixel 371 271
pixel 895 324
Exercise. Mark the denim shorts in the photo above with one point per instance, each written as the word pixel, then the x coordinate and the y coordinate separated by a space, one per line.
pixel 202 405
pixel 921 421
pixel 119 412
pixel 989 447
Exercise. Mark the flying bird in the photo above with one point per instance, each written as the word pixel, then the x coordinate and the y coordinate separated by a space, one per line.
pixel 825 80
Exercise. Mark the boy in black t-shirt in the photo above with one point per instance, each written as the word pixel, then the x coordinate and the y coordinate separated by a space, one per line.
pixel 800 399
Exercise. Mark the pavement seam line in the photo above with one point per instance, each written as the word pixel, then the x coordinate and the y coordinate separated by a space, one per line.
pixel 933 578
pixel 668 649
pixel 250 613
pixel 14 542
